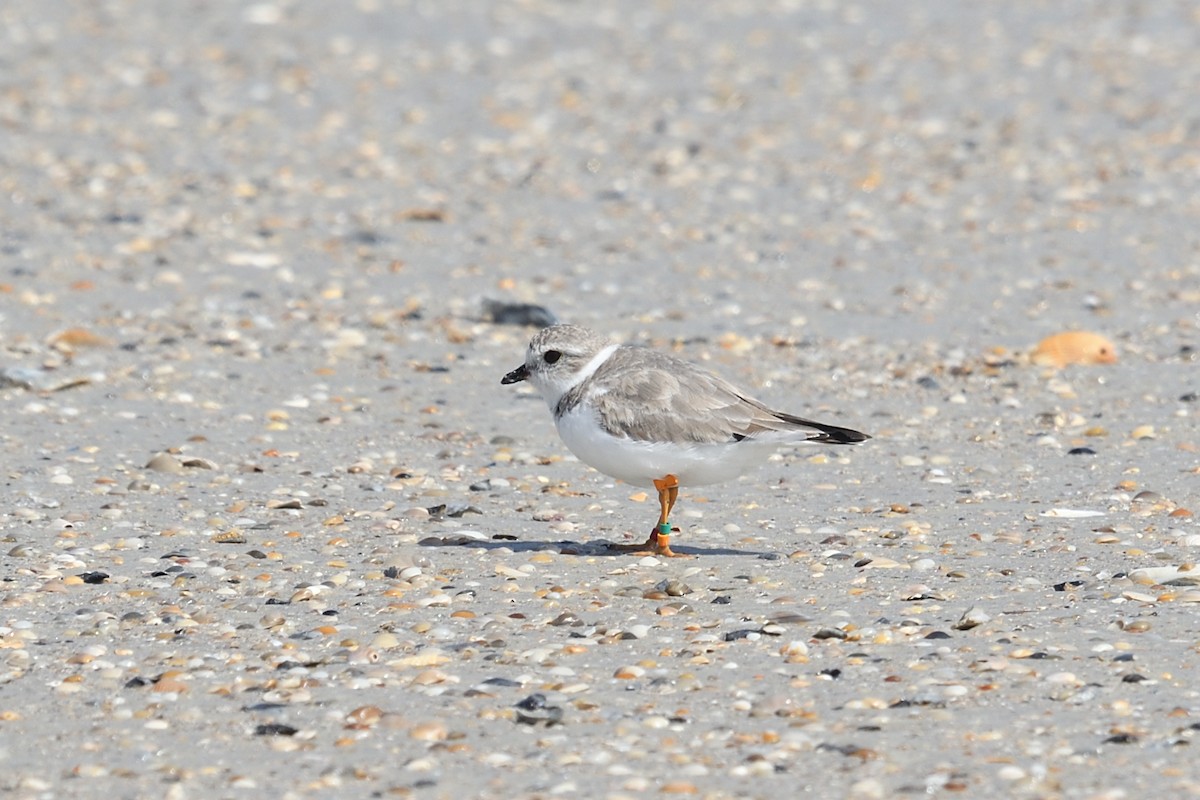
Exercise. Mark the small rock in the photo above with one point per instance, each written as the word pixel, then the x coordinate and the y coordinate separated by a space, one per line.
pixel 275 729
pixel 534 710
pixel 434 731
pixel 165 462
pixel 673 588
pixel 504 313
pixel 971 618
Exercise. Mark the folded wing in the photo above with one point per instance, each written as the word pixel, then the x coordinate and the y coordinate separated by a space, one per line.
pixel 666 399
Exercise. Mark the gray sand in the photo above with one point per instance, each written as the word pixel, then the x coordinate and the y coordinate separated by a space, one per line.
pixel 244 252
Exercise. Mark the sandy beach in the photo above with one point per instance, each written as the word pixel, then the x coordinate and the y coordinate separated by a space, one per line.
pixel 272 528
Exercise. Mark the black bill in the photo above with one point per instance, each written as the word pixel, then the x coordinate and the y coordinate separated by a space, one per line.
pixel 516 376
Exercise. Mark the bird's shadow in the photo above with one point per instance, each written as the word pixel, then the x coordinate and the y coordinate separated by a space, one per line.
pixel 599 547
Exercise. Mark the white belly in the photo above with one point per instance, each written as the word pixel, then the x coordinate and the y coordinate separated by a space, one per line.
pixel 641 462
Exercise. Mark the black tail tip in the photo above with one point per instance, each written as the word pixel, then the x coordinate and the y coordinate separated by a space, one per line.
pixel 834 435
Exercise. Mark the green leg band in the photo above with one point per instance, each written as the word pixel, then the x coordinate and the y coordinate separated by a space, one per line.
pixel 664 529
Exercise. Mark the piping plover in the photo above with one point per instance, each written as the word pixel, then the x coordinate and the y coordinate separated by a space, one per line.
pixel 646 417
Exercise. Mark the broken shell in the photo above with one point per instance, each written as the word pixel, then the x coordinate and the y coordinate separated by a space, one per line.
pixel 72 339
pixel 1074 347
pixel 429 731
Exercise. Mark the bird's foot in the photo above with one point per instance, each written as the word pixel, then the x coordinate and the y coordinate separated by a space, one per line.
pixel 659 544
pixel 662 546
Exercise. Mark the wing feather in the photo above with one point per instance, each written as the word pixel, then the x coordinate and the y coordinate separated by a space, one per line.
pixel 663 398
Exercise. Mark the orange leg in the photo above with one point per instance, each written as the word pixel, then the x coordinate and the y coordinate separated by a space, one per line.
pixel 660 537
pixel 659 542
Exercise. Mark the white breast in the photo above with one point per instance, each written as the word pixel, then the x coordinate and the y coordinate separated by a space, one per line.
pixel 641 462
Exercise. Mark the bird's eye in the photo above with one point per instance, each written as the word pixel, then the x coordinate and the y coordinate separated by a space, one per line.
pixel 552 356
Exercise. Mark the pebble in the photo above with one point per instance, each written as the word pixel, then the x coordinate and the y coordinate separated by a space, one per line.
pixel 971 618
pixel 511 313
pixel 1181 575
pixel 432 731
pixel 1063 678
pixel 671 609
pixel 1072 513
pixel 795 652
pixel 536 710
pixel 869 789
pixel 1011 772
pixel 165 462
pixel 29 378
pixel 673 588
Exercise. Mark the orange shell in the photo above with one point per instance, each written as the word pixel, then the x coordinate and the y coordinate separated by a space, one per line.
pixel 75 338
pixel 1074 347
